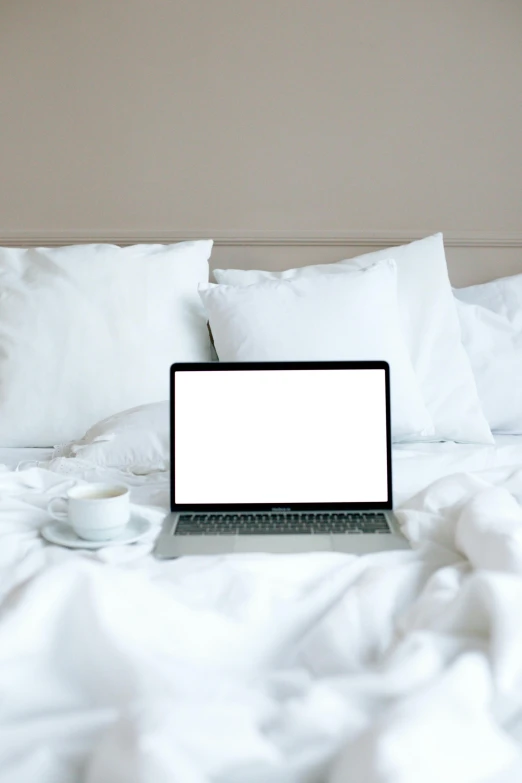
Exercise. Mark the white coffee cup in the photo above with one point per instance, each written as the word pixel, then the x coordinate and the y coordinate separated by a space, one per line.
pixel 97 512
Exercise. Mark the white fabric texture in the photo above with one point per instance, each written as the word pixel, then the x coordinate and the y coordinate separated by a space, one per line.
pixel 502 296
pixel 351 316
pixel 494 345
pixel 416 465
pixel 89 330
pixel 397 667
pixel 430 326
pixel 137 440
pixel 13 457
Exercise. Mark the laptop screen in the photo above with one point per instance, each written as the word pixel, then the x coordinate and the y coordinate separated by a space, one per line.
pixel 265 436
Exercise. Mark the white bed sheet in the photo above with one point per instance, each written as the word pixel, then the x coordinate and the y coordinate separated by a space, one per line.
pixel 13 457
pixel 397 667
pixel 416 465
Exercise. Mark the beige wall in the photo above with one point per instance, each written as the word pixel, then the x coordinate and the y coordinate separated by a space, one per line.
pixel 160 118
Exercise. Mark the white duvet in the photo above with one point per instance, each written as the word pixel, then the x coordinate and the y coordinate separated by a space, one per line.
pixel 394 668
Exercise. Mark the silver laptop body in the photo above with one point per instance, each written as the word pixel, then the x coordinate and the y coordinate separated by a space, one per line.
pixel 280 457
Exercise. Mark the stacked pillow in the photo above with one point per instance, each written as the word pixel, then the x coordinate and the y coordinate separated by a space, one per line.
pixel 313 313
pixel 491 320
pixel 89 330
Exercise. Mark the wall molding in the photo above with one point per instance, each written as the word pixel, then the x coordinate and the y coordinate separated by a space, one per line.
pixel 260 238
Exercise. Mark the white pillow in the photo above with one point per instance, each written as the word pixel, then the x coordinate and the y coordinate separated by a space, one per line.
pixel 136 440
pixel 89 330
pixel 430 326
pixel 495 350
pixel 491 320
pixel 502 296
pixel 351 316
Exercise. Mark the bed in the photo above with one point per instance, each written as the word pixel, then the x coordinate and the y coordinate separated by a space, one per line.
pixel 267 667
pixel 398 667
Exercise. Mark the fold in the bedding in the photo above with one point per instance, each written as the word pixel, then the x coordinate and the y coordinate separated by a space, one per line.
pixel 417 465
pixel 13 457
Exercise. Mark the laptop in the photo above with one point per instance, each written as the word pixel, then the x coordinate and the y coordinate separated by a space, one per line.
pixel 280 457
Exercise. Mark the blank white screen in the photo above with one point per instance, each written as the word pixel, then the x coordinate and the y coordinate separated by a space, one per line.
pixel 280 436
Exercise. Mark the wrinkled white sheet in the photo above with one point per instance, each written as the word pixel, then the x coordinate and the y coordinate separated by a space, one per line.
pixel 416 465
pixel 13 457
pixel 393 668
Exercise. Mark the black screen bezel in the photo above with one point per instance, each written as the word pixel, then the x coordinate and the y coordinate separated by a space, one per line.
pixel 245 366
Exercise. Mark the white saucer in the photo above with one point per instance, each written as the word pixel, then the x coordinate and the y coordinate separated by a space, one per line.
pixel 61 533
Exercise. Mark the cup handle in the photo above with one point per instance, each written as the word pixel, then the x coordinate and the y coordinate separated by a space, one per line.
pixel 61 516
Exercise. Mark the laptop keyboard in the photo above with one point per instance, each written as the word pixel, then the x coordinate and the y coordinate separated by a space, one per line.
pixel 290 523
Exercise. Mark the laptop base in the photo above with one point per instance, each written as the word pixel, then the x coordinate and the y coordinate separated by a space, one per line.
pixel 168 545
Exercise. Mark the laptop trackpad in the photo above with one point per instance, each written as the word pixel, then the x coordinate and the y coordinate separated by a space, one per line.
pixel 281 544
